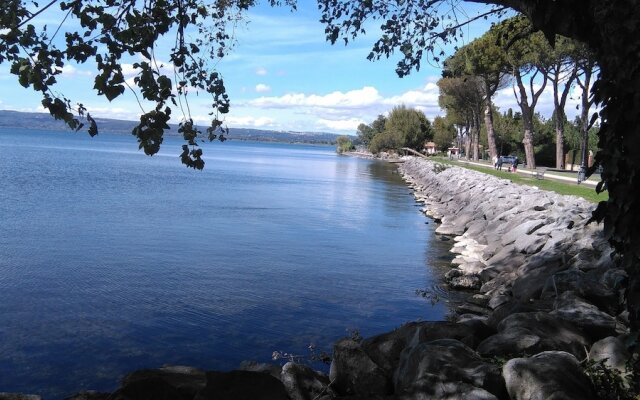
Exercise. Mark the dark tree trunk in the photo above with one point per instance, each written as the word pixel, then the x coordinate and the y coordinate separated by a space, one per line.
pixel 559 125
pixel 527 121
pixel 491 135
pixel 475 132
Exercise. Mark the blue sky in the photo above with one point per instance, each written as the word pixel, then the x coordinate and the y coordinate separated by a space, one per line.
pixel 282 75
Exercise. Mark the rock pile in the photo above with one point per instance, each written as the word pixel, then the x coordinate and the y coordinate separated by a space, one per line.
pixel 544 294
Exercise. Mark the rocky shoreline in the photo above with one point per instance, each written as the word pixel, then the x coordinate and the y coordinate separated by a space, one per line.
pixel 545 294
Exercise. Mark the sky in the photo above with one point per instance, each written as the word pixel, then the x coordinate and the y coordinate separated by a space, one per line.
pixel 283 75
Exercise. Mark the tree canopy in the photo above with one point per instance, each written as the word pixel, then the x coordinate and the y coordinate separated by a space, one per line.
pixel 405 127
pixel 108 31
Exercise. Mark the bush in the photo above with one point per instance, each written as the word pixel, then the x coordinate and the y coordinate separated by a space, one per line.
pixel 610 383
pixel 405 127
pixel 388 140
pixel 344 144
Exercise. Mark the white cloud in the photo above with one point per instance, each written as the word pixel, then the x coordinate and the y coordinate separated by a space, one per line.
pixel 345 110
pixel 166 68
pixel 261 71
pixel 352 99
pixel 69 71
pixel 262 88
pixel 128 70
pixel 350 124
pixel 426 96
pixel 255 122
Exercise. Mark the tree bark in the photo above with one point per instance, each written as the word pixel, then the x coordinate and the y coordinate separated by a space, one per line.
pixel 584 116
pixel 527 121
pixel 554 74
pixel 559 125
pixel 467 143
pixel 475 132
pixel 488 123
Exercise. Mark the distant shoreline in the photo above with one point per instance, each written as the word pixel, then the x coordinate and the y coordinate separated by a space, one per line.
pixel 42 121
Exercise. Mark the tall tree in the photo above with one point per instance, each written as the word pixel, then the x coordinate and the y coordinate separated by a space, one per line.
pixel 561 71
pixel 365 134
pixel 405 127
pixel 378 124
pixel 444 133
pixel 484 59
pixel 465 97
pixel 586 64
pixel 412 124
pixel 528 55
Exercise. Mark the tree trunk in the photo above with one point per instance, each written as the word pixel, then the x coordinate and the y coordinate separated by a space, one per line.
pixel 528 148
pixel 584 115
pixel 527 121
pixel 488 123
pixel 475 132
pixel 559 125
pixel 559 142
pixel 584 122
pixel 467 143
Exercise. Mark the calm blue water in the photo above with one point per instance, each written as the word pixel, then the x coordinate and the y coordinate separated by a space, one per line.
pixel 111 260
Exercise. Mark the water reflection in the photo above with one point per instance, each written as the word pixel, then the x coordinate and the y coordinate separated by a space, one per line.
pixel 113 261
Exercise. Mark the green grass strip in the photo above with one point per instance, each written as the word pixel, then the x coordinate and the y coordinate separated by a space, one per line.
pixel 586 192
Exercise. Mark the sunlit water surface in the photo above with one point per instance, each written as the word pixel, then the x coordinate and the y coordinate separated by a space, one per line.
pixel 111 260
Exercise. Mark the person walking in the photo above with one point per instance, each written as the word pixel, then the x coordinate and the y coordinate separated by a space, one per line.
pixel 515 164
pixel 495 162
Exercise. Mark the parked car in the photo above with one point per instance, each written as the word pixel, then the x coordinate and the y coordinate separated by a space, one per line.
pixel 507 159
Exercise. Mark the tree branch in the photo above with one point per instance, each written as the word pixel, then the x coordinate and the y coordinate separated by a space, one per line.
pixel 52 2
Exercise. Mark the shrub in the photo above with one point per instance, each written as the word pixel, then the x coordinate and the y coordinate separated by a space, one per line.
pixel 344 144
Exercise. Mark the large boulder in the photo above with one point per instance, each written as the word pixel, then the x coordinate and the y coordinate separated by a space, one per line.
pixel 86 395
pixel 590 286
pixel 524 229
pixel 507 259
pixel 303 383
pixel 429 367
pixel 353 372
pixel 551 375
pixel 170 382
pixel 241 385
pixel 511 306
pixel 597 324
pixel 385 349
pixel 529 244
pixel 533 275
pixel 464 282
pixel 254 366
pixel 447 391
pixel 533 332
pixel 611 351
pixel 477 229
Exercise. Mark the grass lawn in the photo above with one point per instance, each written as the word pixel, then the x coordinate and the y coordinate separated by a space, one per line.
pixel 574 189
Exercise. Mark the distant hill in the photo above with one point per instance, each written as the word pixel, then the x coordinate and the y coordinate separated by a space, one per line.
pixel 15 119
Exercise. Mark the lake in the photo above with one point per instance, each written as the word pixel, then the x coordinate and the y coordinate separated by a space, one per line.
pixel 111 260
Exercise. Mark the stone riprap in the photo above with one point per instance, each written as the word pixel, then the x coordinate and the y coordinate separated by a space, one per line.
pixel 544 293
